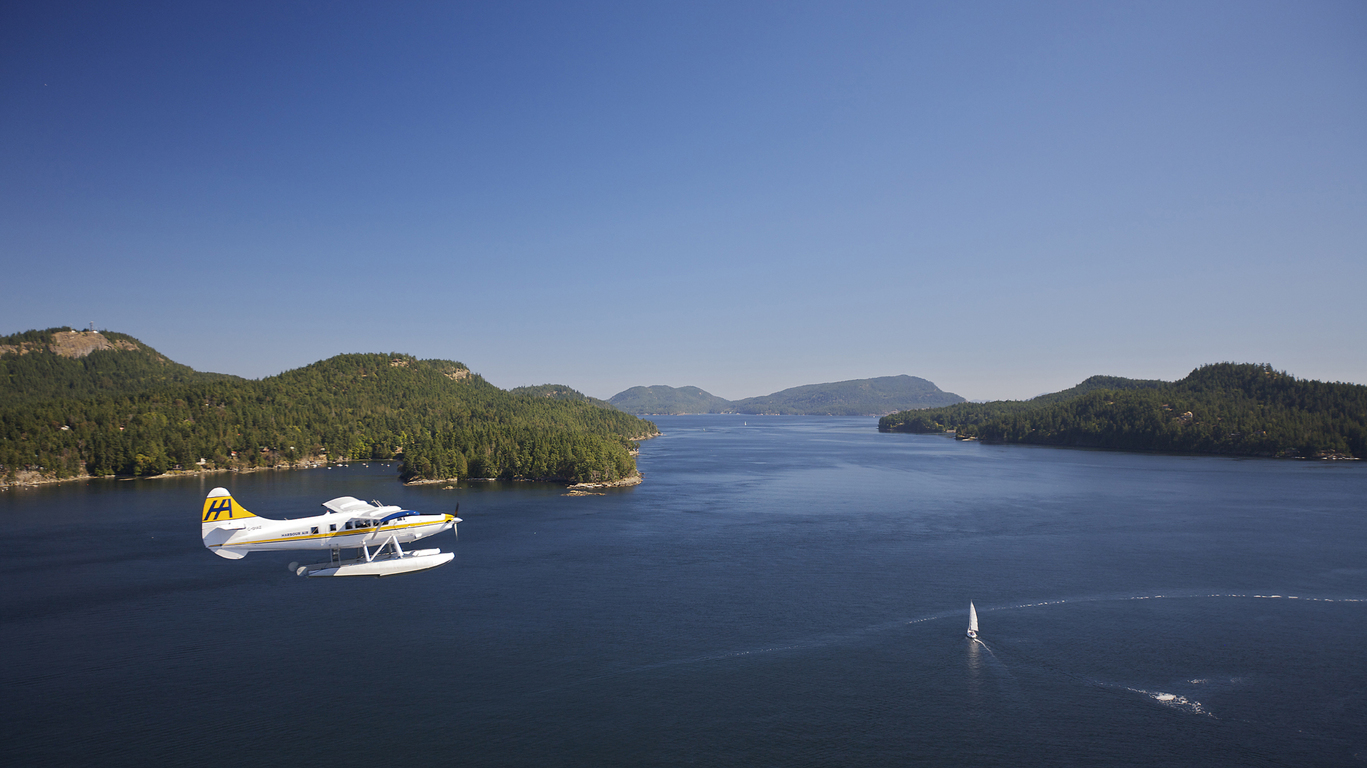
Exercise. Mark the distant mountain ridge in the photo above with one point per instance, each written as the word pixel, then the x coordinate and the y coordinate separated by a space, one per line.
pixel 662 399
pixel 855 397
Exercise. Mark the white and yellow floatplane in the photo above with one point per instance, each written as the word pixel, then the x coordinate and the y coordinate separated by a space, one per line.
pixel 377 533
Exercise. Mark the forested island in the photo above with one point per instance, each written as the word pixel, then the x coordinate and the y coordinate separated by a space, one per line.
pixel 1227 409
pixel 856 397
pixel 665 400
pixel 77 403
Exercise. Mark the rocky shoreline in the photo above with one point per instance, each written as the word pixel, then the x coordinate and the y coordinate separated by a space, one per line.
pixel 626 482
pixel 596 489
pixel 575 489
pixel 33 479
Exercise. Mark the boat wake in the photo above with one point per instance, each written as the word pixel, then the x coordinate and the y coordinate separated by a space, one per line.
pixel 990 656
pixel 1188 596
pixel 1172 700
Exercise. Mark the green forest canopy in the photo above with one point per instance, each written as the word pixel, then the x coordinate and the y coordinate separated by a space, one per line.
pixel 435 415
pixel 1226 408
pixel 41 374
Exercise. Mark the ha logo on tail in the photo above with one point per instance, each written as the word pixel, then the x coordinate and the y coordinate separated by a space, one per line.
pixel 377 533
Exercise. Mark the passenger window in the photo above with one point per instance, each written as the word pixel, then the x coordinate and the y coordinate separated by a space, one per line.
pixel 348 525
pixel 315 529
pixel 332 527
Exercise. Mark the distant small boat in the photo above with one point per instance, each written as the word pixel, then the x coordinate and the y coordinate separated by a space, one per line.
pixel 972 621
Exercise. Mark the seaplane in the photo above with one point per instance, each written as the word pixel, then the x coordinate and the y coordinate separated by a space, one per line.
pixel 376 531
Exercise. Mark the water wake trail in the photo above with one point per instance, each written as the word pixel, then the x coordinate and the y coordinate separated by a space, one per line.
pixel 815 641
pixel 992 654
pixel 1180 703
pixel 1171 700
pixel 1175 699
pixel 1008 694
pixel 1180 596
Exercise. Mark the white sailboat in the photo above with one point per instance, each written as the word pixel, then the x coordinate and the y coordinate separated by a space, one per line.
pixel 972 621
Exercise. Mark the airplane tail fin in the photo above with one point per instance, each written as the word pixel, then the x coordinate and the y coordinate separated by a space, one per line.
pixel 221 517
pixel 221 507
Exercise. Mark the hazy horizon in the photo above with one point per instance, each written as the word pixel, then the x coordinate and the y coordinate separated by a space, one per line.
pixel 705 389
pixel 1002 199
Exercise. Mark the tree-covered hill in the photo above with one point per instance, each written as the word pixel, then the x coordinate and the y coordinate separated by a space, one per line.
pixel 857 397
pixel 661 399
pixel 1098 382
pixel 558 392
pixel 438 417
pixel 1227 408
pixel 61 362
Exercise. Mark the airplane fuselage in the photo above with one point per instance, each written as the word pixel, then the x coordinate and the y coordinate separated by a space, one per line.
pixel 331 531
pixel 230 531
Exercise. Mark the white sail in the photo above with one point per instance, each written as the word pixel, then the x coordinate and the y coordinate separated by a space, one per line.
pixel 972 617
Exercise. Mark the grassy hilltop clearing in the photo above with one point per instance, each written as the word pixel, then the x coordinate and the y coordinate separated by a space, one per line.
pixel 61 362
pixel 68 416
pixel 1227 408
pixel 857 397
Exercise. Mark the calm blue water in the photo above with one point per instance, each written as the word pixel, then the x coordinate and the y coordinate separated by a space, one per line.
pixel 788 591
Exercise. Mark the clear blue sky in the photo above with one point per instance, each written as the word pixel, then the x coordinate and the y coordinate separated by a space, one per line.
pixel 1004 198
